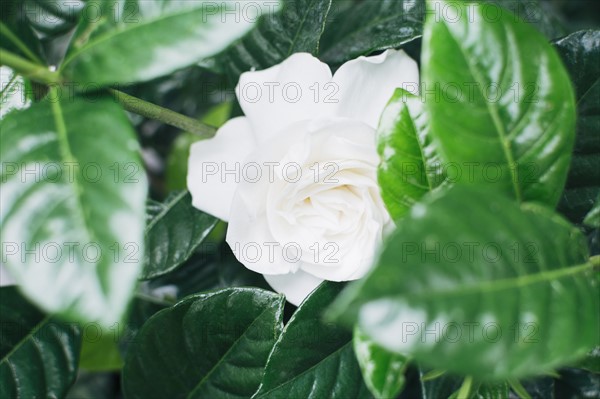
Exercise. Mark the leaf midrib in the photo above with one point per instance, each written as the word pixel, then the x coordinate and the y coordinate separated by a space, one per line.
pixel 506 284
pixel 296 377
pixel 25 339
pixel 233 345
pixel 117 32
pixel 493 111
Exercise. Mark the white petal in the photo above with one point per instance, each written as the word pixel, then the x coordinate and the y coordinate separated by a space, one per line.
pixel 5 278
pixel 295 286
pixel 211 185
pixel 367 84
pixel 278 96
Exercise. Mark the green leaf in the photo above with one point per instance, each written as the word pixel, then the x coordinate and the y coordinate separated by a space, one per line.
pixel 213 267
pixel 484 295
pixel 73 192
pixel 39 354
pixel 531 11
pixel 577 384
pixel 493 391
pixel 591 361
pixel 212 345
pixel 581 54
pixel 150 40
pixel 382 370
pixel 409 166
pixel 440 387
pixel 593 217
pixel 370 26
pixel 296 28
pixel 174 234
pixel 313 359
pixel 501 104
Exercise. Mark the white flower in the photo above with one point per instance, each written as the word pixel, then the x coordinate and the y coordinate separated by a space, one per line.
pixel 296 177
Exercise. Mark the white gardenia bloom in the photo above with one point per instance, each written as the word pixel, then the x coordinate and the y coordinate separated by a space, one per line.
pixel 296 177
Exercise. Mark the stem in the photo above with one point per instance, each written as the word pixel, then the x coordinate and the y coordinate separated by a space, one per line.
pixel 153 111
pixel 519 389
pixel 17 42
pixel 28 69
pixel 465 389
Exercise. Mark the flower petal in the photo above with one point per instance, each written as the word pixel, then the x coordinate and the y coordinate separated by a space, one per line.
pixel 278 96
pixel 211 178
pixel 367 83
pixel 295 286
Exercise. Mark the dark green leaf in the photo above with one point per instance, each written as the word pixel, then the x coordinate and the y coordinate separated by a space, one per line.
pixel 369 26
pixel 501 104
pixel 532 12
pixel 73 192
pixel 382 370
pixel 441 387
pixel 539 388
pixel 151 40
pixel 581 54
pixel 410 166
pixel 498 390
pixel 593 217
pixel 483 293
pixel 214 267
pixel 174 234
pixel 212 345
pixel 591 361
pixel 296 28
pixel 577 384
pixel 312 359
pixel 39 354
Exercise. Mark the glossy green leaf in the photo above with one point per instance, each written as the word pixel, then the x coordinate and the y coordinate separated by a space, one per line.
pixel 581 54
pixel 440 387
pixel 370 26
pixel 213 267
pixel 212 345
pixel 501 291
pixel 591 361
pixel 501 103
pixel 148 41
pixel 382 370
pixel 532 12
pixel 499 390
pixel 174 234
pixel 593 217
pixel 313 359
pixel 577 384
pixel 39 353
pixel 296 28
pixel 410 165
pixel 72 217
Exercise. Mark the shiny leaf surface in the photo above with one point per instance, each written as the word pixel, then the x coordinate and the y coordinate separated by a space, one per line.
pixel 409 166
pixel 501 103
pixel 581 54
pixel 312 359
pixel 73 193
pixel 212 345
pixel 39 354
pixel 478 302
pixel 382 370
pixel 150 40
pixel 296 28
pixel 370 26
pixel 174 234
